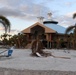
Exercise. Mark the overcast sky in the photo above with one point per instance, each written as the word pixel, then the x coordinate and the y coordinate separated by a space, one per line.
pixel 23 13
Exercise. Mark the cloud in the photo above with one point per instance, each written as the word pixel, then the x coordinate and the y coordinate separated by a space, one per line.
pixel 5 11
pixel 31 9
pixel 34 11
pixel 14 31
pixel 68 4
pixel 24 9
pixel 66 20
pixel 1 28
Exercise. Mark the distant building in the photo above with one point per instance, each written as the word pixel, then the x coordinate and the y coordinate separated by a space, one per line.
pixel 47 30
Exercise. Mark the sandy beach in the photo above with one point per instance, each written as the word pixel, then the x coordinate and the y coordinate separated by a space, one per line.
pixel 21 63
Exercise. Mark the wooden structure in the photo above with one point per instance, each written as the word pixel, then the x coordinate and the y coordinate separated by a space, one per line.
pixel 47 33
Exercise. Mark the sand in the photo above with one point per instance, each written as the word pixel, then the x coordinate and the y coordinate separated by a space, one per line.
pixel 21 63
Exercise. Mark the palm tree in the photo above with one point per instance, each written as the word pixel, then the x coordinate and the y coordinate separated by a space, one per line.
pixel 72 28
pixel 74 15
pixel 5 23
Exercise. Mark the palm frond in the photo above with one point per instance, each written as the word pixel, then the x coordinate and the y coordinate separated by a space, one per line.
pixel 74 15
pixel 5 23
pixel 69 29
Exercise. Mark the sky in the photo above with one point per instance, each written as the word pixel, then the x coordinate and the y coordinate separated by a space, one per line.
pixel 24 13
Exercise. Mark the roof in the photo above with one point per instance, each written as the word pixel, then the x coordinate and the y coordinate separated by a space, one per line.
pixel 47 29
pixel 56 27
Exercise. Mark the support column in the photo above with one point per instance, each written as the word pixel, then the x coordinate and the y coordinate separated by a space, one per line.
pixel 48 40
